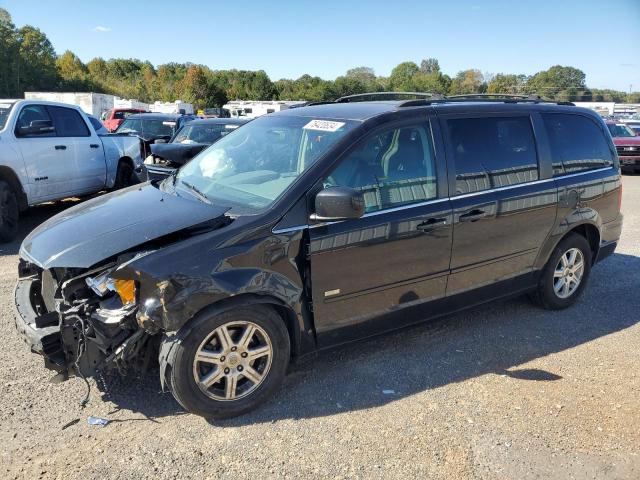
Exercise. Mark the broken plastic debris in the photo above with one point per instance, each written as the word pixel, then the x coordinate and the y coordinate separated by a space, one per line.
pixel 388 392
pixel 91 420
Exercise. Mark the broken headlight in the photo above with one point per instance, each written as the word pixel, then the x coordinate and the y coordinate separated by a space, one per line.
pixel 103 283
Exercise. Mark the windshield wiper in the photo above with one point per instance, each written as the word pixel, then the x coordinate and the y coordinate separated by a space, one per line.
pixel 198 193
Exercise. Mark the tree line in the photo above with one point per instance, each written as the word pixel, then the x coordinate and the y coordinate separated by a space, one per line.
pixel 28 62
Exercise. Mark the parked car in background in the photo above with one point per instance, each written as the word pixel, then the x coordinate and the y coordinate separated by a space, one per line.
pixel 114 117
pixel 190 140
pixel 627 145
pixel 153 127
pixel 633 124
pixel 50 151
pixel 319 225
pixel 216 113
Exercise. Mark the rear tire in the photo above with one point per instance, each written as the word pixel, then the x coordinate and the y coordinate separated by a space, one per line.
pixel 9 212
pixel 125 176
pixel 562 282
pixel 221 378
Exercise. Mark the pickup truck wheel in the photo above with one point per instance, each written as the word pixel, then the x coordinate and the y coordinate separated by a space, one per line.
pixel 228 363
pixel 9 212
pixel 124 175
pixel 565 276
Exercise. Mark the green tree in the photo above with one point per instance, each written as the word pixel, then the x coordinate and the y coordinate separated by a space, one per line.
pixel 365 76
pixel 74 75
pixel 430 65
pixel 468 81
pixel 558 81
pixel 402 77
pixel 37 64
pixel 9 57
pixel 197 88
pixel 507 83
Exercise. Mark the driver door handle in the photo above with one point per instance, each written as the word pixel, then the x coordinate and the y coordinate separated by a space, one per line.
pixel 94 145
pixel 473 215
pixel 60 147
pixel 431 224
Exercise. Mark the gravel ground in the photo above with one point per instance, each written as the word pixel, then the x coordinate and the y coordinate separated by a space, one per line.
pixel 502 391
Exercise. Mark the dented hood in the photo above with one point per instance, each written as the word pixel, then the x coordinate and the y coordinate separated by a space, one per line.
pixel 104 226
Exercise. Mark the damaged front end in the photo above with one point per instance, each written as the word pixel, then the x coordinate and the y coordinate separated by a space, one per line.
pixel 83 322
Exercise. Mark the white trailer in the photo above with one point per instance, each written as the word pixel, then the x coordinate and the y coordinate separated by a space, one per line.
pixel 91 103
pixel 171 107
pixel 253 109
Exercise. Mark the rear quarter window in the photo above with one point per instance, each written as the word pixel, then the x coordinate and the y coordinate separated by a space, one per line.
pixel 577 143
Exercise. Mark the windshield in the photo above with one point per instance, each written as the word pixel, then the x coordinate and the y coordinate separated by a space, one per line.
pixel 203 133
pixel 5 109
pixel 251 167
pixel 130 125
pixel 620 130
pixel 158 128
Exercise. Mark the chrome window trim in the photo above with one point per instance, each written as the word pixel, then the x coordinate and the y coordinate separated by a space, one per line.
pixel 439 200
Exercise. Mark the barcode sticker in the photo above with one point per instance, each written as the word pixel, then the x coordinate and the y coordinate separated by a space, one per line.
pixel 323 125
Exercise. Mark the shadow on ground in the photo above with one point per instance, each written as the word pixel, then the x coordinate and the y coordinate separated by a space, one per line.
pixel 493 339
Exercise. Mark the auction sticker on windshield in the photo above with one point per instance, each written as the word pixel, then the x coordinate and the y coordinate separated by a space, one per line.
pixel 323 125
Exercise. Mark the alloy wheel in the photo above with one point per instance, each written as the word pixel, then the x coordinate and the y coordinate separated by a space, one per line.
pixel 568 273
pixel 232 361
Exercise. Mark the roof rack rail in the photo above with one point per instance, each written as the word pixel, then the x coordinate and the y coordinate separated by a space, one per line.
pixel 363 97
pixel 504 97
pixel 508 96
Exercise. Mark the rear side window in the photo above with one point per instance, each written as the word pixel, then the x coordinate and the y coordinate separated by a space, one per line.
pixel 392 168
pixel 577 143
pixel 68 122
pixel 492 152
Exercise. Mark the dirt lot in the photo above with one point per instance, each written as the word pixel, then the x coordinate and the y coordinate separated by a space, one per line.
pixel 502 391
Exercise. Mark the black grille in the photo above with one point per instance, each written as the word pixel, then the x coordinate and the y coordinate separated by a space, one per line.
pixel 622 150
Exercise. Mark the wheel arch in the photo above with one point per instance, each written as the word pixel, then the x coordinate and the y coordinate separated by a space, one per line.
pixel 172 339
pixel 284 311
pixel 589 230
pixel 8 175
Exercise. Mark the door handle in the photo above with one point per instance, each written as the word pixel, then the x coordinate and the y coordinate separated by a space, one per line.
pixel 473 215
pixel 94 145
pixel 61 147
pixel 431 224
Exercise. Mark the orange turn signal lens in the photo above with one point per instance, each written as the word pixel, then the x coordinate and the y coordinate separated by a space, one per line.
pixel 126 290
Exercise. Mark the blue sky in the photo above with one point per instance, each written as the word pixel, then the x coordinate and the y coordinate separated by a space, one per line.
pixel 288 38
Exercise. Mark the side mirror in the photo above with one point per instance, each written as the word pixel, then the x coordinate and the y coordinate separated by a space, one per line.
pixel 338 203
pixel 160 140
pixel 36 127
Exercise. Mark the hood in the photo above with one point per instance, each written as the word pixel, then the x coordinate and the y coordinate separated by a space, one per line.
pixel 104 226
pixel 179 153
pixel 626 140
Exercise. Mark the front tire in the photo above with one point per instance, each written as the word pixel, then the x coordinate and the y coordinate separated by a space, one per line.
pixel 565 275
pixel 226 364
pixel 9 212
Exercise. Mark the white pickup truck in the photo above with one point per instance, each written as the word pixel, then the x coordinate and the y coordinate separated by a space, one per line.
pixel 50 151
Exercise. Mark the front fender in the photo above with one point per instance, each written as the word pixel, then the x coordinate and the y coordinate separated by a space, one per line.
pixel 175 286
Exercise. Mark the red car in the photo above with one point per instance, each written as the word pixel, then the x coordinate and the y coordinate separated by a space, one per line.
pixel 114 117
pixel 627 144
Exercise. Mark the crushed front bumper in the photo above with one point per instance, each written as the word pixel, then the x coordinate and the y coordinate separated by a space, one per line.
pixel 41 333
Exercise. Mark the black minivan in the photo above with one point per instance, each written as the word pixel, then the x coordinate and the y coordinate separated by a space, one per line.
pixel 316 226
